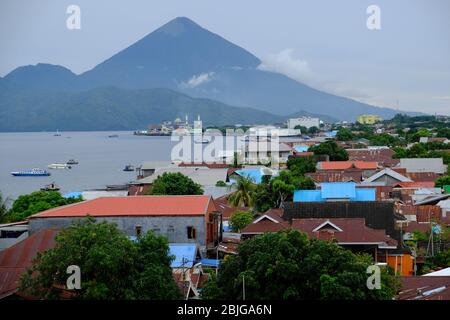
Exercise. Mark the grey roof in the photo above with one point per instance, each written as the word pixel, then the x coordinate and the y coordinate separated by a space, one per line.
pixel 148 165
pixel 423 165
pixel 216 192
pixel 433 199
pixel 202 175
pixel 388 172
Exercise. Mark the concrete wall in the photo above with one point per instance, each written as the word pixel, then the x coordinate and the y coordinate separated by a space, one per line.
pixel 127 224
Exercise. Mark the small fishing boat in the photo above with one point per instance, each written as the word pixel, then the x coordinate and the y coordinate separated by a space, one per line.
pixel 50 187
pixel 72 161
pixel 59 166
pixel 29 173
pixel 128 167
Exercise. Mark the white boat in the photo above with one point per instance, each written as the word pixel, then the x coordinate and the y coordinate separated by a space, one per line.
pixel 59 166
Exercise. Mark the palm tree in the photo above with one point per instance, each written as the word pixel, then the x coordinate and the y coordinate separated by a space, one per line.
pixel 243 196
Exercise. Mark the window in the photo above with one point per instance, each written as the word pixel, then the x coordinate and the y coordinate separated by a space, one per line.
pixel 191 232
pixel 138 230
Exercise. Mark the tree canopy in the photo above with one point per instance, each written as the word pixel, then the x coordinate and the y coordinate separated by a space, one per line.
pixel 270 194
pixel 288 265
pixel 442 181
pixel 240 219
pixel 111 265
pixel 331 149
pixel 26 205
pixel 174 183
pixel 301 165
pixel 344 134
pixel 3 208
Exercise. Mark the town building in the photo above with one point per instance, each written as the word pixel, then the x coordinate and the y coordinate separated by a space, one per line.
pixel 182 219
pixel 368 118
pixel 306 122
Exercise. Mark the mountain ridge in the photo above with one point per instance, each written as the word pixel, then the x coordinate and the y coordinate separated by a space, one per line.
pixel 183 56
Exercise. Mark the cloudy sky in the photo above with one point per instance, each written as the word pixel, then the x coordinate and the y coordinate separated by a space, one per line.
pixel 325 44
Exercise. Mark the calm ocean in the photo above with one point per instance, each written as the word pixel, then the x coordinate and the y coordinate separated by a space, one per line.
pixel 101 159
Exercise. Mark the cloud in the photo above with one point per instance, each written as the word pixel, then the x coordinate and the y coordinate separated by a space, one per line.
pixel 197 80
pixel 297 69
pixel 285 63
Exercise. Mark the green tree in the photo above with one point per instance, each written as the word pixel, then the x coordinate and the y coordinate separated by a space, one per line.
pixel 240 219
pixel 331 149
pixel 344 134
pixel 3 208
pixel 263 197
pixel 174 183
pixel 243 196
pixel 301 165
pixel 302 129
pixel 26 205
pixel 284 185
pixel 288 265
pixel 442 181
pixel 313 130
pixel 112 266
pixel 221 183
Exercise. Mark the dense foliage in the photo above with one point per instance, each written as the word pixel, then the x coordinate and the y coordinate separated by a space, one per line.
pixel 240 219
pixel 288 265
pixel 3 208
pixel 301 165
pixel 111 265
pixel 272 193
pixel 442 181
pixel 174 183
pixel 439 260
pixel 26 205
pixel 331 149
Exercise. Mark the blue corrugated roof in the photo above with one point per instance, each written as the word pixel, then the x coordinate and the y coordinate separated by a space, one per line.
pixel 308 196
pixel 301 148
pixel 74 194
pixel 209 262
pixel 183 251
pixel 365 194
pixel 331 133
pixel 338 190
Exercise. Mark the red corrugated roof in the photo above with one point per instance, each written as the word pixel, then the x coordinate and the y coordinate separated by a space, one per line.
pixel 16 259
pixel 133 206
pixel 415 185
pixel 342 165
pixel 354 230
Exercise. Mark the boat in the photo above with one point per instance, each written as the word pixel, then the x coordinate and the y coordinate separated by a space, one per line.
pixel 59 166
pixel 72 161
pixel 32 172
pixel 50 187
pixel 128 167
pixel 113 136
pixel 201 140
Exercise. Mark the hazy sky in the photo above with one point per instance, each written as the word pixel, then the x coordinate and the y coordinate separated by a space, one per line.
pixel 325 44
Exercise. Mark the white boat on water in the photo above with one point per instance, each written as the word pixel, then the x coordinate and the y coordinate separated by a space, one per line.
pixel 59 166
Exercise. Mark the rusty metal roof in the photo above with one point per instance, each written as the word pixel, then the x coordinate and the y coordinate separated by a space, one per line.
pixel 16 259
